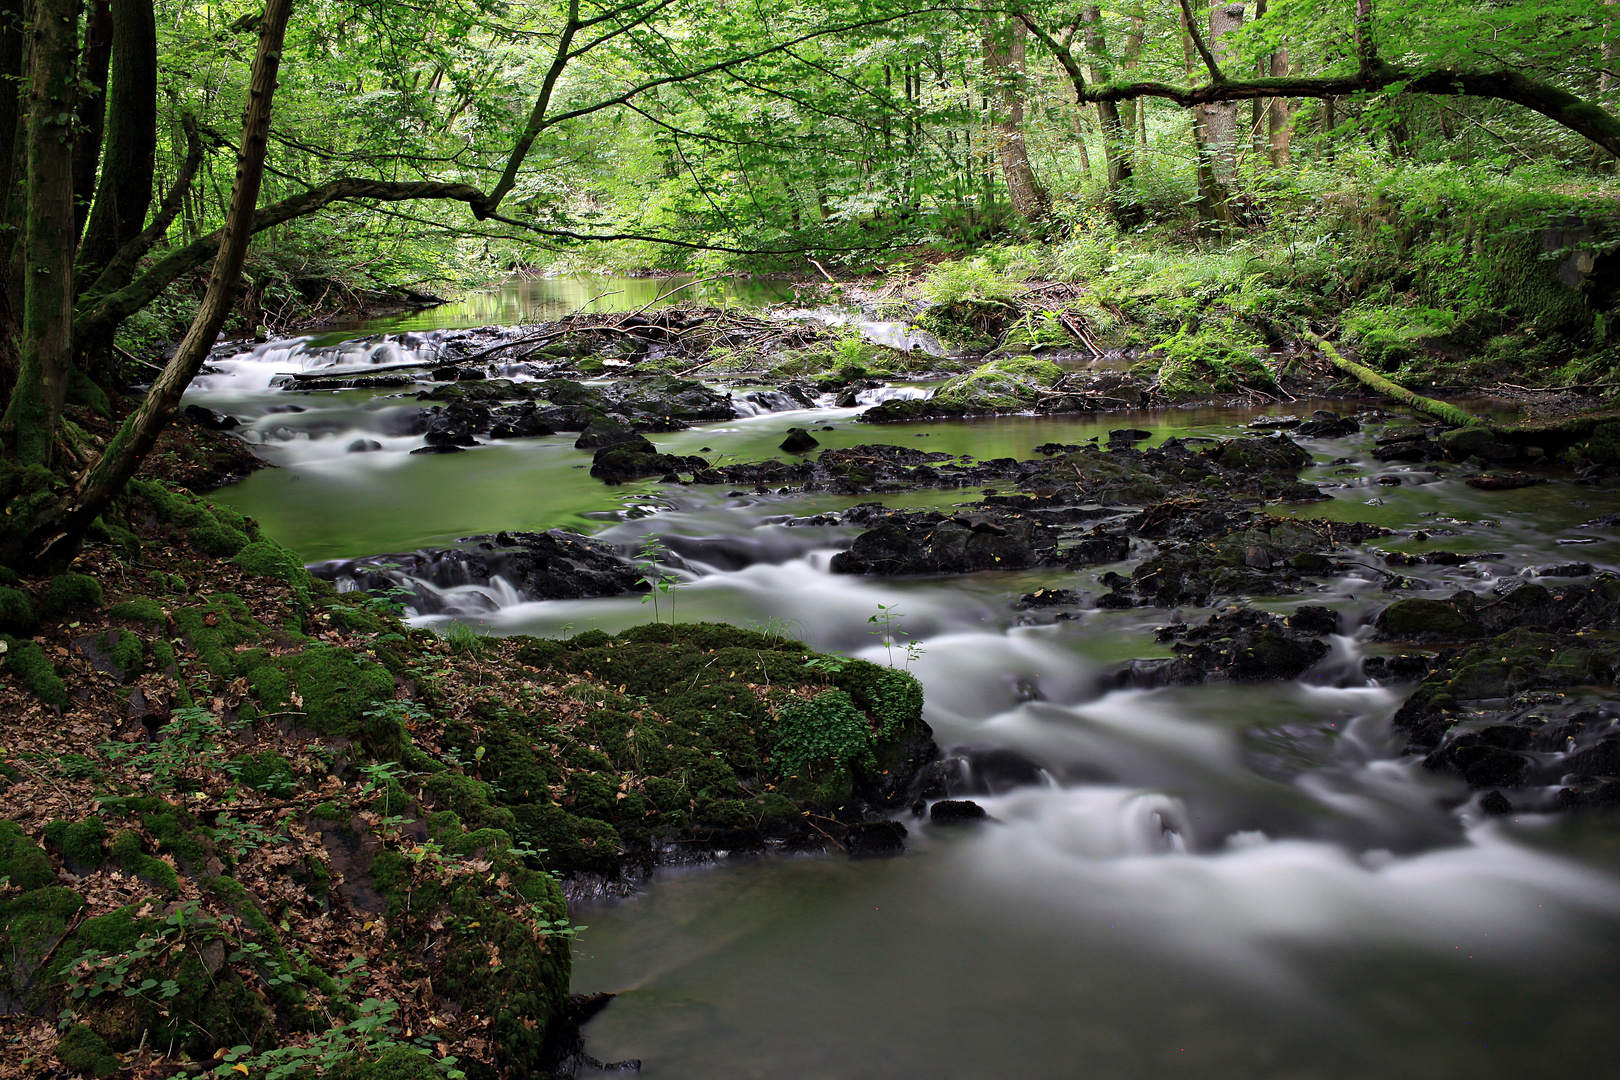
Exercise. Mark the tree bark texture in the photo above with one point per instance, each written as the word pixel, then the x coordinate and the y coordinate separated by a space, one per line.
pixel 45 338
pixel 94 59
pixel 1004 53
pixel 125 190
pixel 1221 117
pixel 1280 127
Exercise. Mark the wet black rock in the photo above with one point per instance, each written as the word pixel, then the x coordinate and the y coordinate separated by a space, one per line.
pixel 1419 619
pixel 209 419
pixel 447 448
pixel 1045 598
pixel 799 441
pixel 875 838
pixel 522 421
pixel 635 458
pixel 1401 668
pixel 955 812
pixel 608 431
pixel 1314 619
pixel 929 542
pixel 1327 425
pixel 1243 645
pixel 553 565
pixel 1486 757
pixel 1495 804
pixel 1269 453
pixel 364 446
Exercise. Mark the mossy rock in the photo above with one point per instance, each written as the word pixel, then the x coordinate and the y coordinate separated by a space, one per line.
pixel 17 614
pixel 494 964
pixel 1417 619
pixel 216 538
pixel 1269 453
pixel 27 661
pixel 269 559
pixel 82 1051
pixel 124 650
pixel 1004 385
pixel 71 592
pixel 22 862
pixel 128 853
pixel 79 842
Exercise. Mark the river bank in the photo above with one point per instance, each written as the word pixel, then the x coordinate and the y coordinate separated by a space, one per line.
pixel 365 786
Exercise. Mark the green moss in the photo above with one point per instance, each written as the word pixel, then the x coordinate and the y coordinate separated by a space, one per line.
pixel 79 842
pixel 128 854
pixel 82 1051
pixel 495 963
pixel 31 925
pixel 71 592
pixel 22 862
pixel 27 661
pixel 124 649
pixel 266 771
pixel 16 612
pixel 1007 384
pixel 393 1063
pixel 269 559
pixel 214 538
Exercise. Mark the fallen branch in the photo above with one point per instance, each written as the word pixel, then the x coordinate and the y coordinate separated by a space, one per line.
pixel 1449 414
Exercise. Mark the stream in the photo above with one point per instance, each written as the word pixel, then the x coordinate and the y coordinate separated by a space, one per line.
pixel 1217 881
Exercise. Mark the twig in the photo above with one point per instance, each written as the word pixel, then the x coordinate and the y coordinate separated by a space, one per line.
pixel 667 295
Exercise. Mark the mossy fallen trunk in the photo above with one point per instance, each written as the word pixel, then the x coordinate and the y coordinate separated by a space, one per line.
pixel 1449 414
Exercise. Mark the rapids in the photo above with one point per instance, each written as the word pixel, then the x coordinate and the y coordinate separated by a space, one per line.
pixel 1212 881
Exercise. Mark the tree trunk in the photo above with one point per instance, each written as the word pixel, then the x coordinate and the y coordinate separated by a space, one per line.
pixel 125 190
pixel 1281 130
pixel 1004 53
pixel 93 61
pixel 45 345
pixel 60 534
pixel 1221 117
pixel 11 69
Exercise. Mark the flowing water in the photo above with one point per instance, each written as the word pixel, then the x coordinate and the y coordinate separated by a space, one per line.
pixel 1217 881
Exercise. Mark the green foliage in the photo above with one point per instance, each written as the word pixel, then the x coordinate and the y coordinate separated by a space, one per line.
pixel 826 730
pixel 265 771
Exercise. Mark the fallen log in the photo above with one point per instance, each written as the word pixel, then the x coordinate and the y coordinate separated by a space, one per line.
pixel 1449 414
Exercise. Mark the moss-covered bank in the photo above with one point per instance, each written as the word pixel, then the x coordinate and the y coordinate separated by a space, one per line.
pixel 248 822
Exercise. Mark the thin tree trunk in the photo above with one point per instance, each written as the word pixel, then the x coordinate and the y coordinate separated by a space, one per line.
pixel 135 438
pixel 1281 128
pixel 45 354
pixel 125 190
pixel 11 69
pixel 93 61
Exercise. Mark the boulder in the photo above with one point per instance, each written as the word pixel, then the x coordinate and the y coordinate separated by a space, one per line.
pixel 1269 453
pixel 955 812
pixel 799 441
pixel 1417 619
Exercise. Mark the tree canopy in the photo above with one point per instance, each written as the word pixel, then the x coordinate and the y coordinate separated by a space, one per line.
pixel 414 139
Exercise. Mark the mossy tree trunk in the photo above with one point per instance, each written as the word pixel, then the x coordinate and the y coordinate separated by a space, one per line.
pixel 45 337
pixel 135 438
